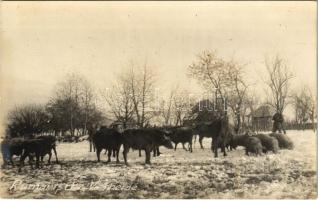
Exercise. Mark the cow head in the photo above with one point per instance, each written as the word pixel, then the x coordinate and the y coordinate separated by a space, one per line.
pixel 165 140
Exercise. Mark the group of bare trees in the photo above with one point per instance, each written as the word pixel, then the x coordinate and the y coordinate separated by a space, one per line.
pixel 134 98
pixel 177 108
pixel 304 105
pixel 71 109
pixel 278 82
pixel 223 78
pixel 73 106
pixel 131 97
pixel 28 119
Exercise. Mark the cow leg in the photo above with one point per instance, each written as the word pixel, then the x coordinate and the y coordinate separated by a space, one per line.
pixel 109 155
pixel 50 155
pixel 117 152
pixel 54 149
pixel 154 152
pixel 37 161
pixel 190 146
pixel 90 146
pixel 158 152
pixel 22 158
pixel 215 147
pixel 4 161
pixel 30 160
pixel 223 148
pixel 175 146
pixel 147 151
pixel 98 154
pixel 11 161
pixel 246 151
pixel 125 151
pixel 139 152
pixel 200 141
pixel 114 153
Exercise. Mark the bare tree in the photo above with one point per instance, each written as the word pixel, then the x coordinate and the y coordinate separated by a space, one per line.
pixel 237 91
pixel 304 104
pixel 119 99
pixel 224 78
pixel 182 105
pixel 278 81
pixel 72 107
pixel 250 104
pixel 142 86
pixel 87 101
pixel 167 109
pixel 69 90
pixel 132 96
pixel 210 71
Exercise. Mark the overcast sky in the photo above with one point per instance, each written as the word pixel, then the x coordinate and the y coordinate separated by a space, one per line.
pixel 42 41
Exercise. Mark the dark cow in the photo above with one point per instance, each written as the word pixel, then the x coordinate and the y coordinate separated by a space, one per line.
pixel 212 129
pixel 38 147
pixel 11 147
pixel 269 143
pixel 284 141
pixel 146 139
pixel 227 141
pixel 109 139
pixel 181 135
pixel 52 140
pixel 251 144
pixel 219 130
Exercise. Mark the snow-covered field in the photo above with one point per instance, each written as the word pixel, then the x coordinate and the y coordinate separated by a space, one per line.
pixel 175 174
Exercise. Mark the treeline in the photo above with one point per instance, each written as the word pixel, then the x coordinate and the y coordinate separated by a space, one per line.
pixel 134 101
pixel 72 109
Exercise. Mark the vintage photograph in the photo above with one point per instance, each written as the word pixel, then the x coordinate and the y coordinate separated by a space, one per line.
pixel 158 100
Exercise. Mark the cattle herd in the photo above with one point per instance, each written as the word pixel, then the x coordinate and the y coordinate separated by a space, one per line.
pixel 149 140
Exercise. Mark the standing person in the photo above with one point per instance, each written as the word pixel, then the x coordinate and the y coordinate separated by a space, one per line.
pixel 278 123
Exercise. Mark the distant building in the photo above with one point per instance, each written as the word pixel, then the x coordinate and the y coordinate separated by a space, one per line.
pixel 262 118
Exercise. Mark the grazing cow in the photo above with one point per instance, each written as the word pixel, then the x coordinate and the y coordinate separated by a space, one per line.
pixel 219 130
pixel 227 142
pixel 181 135
pixel 109 139
pixel 284 141
pixel 39 147
pixel 251 144
pixel 11 147
pixel 146 139
pixel 269 143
